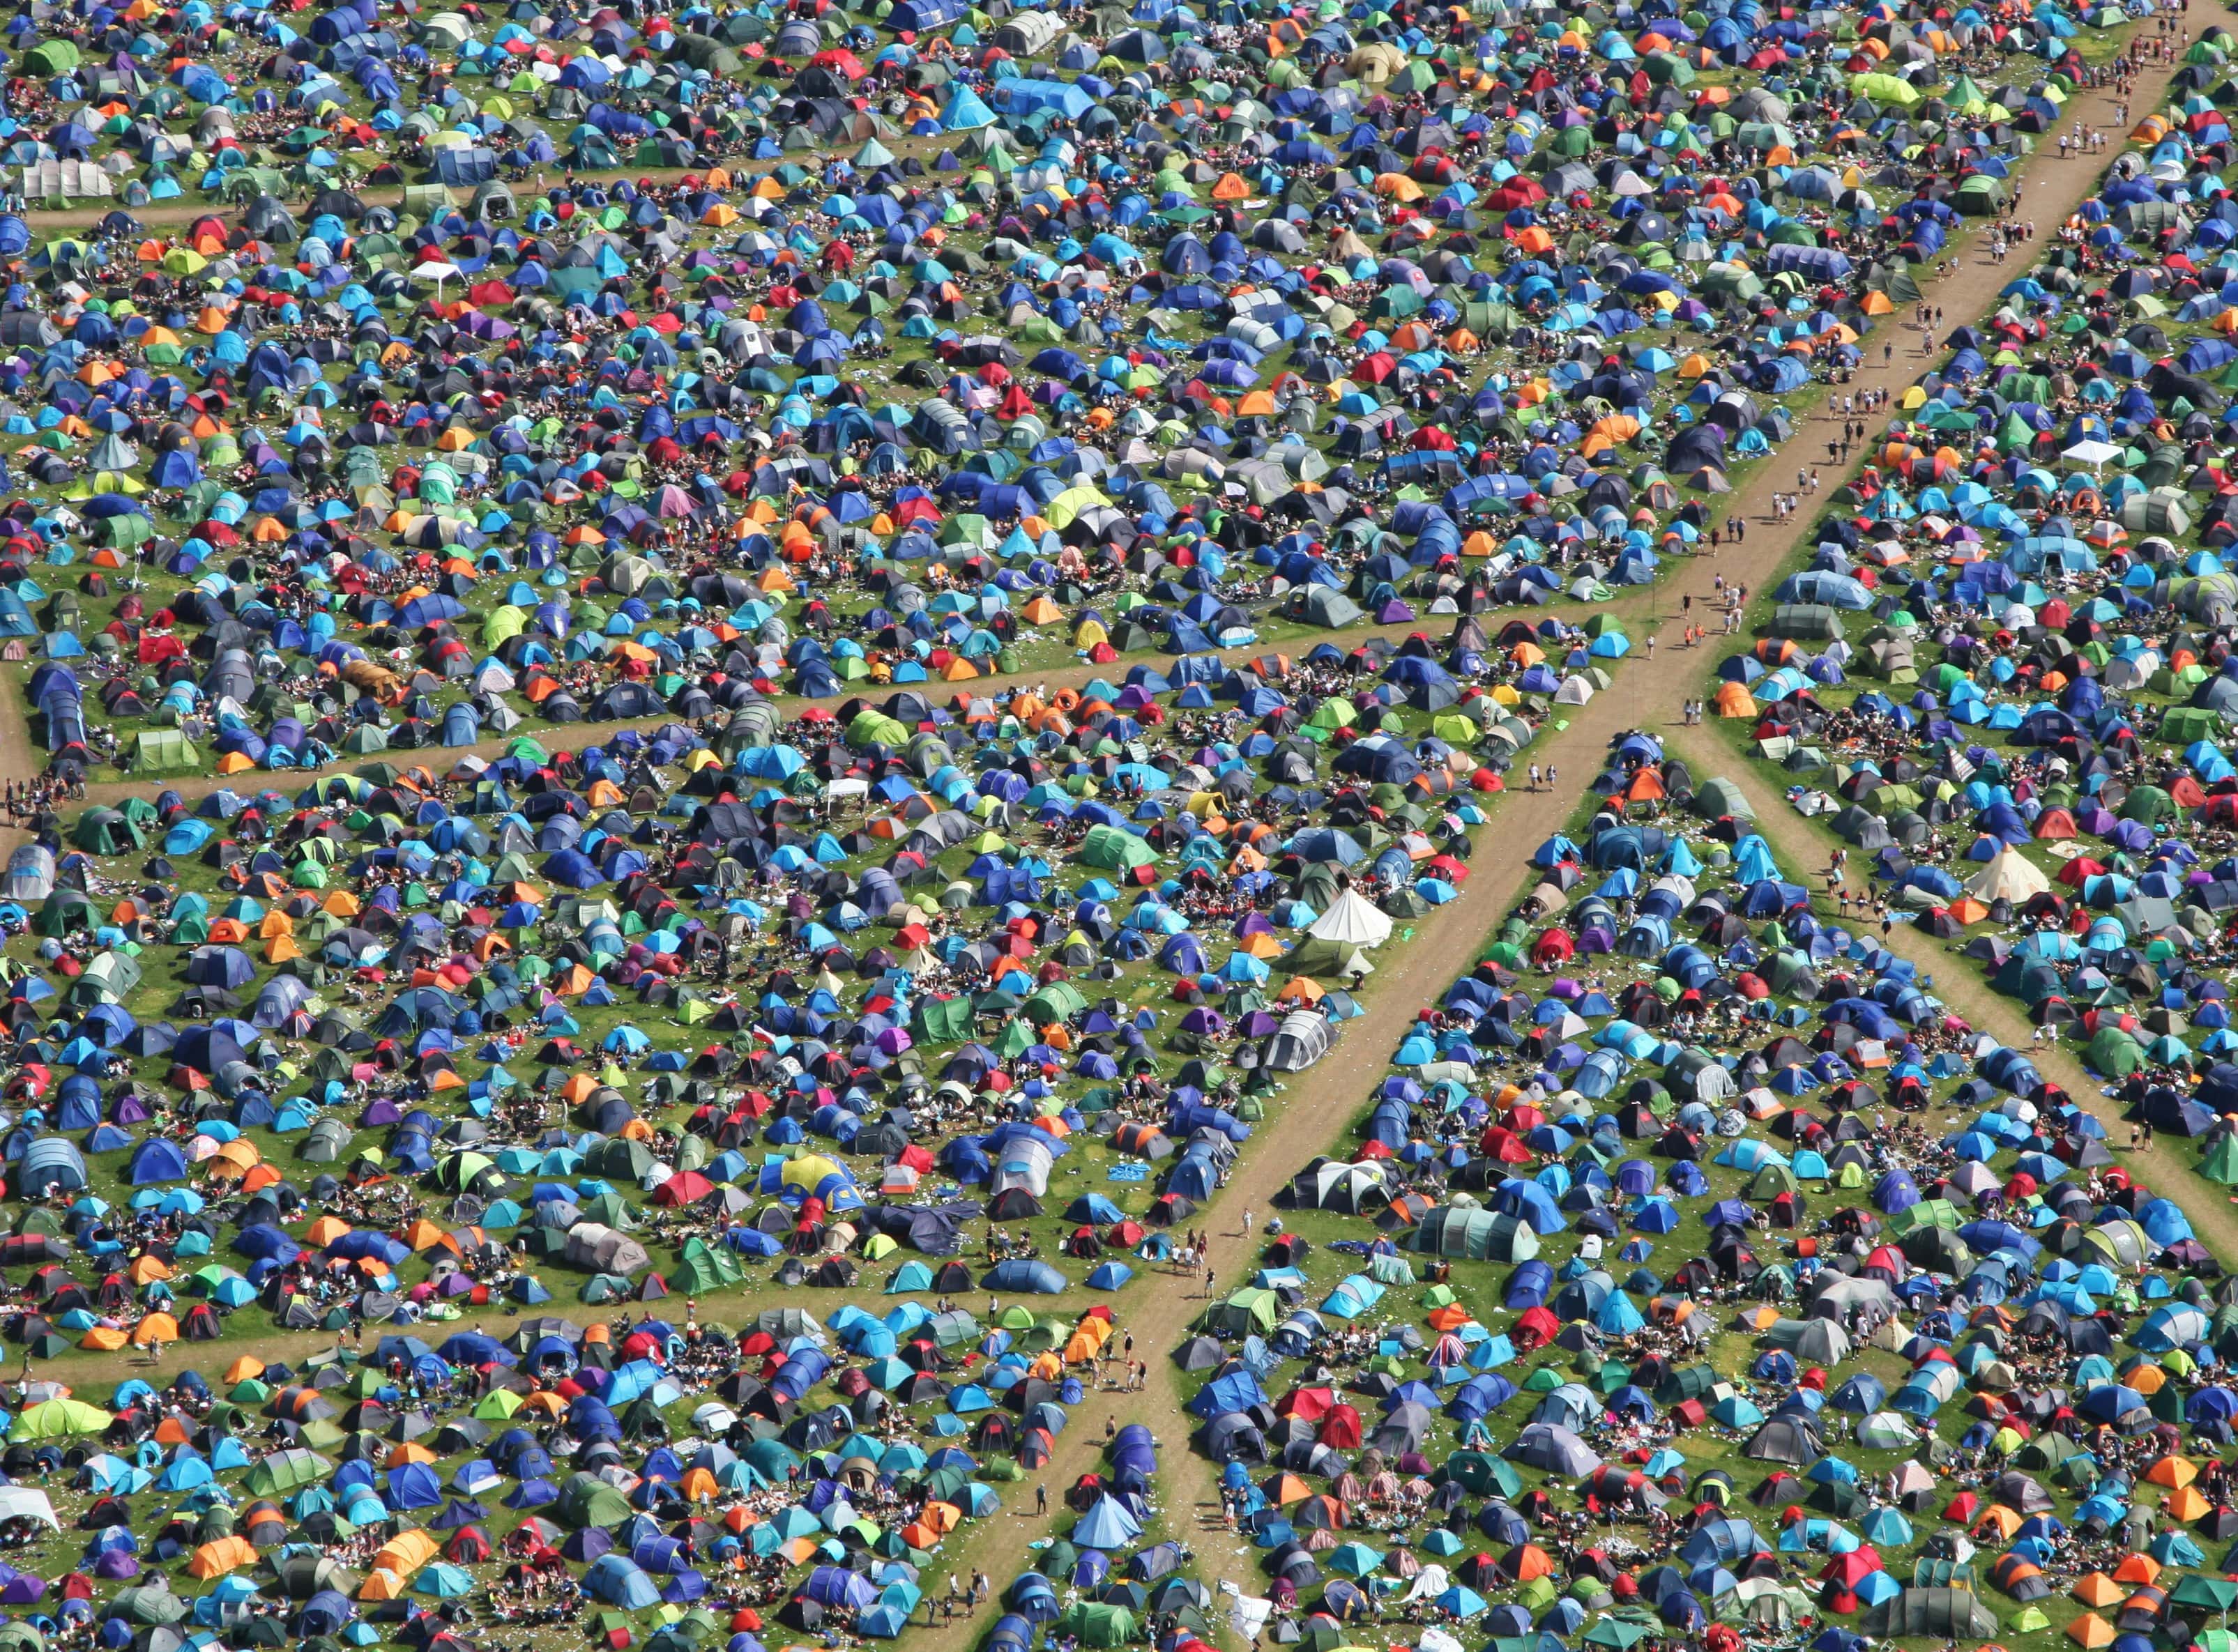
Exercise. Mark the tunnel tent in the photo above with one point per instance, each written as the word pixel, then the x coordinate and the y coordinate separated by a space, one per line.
pixel 1946 1613
pixel 1807 622
pixel 164 751
pixel 1303 1037
pixel 51 59
pixel 51 1163
pixel 1476 1234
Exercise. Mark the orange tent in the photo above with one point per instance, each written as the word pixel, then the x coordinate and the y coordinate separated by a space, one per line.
pixel 1528 1560
pixel 233 1158
pixel 216 1559
pixel 2187 1504
pixel 406 1553
pixel 2090 1631
pixel 1999 1519
pixel 156 1327
pixel 2171 1470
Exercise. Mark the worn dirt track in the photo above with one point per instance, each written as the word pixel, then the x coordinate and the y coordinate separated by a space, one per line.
pixel 174 215
pixel 572 736
pixel 1320 1104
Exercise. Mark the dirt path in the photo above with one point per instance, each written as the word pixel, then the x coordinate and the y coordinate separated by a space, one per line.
pixel 1803 848
pixel 174 215
pixel 567 737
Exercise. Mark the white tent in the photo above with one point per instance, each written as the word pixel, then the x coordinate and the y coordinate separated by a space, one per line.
pixel 2008 875
pixel 1352 919
pixel 24 1502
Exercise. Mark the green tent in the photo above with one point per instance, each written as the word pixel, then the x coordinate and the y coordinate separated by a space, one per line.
pixel 1097 1623
pixel 1250 1312
pixel 279 1472
pixel 58 1419
pixel 1482 1235
pixel 2220 1163
pixel 1338 960
pixel 876 728
pixel 2185 723
pixel 586 1500
pixel 941 1021
pixel 705 1267
pixel 2115 1052
pixel 64 912
pixel 2148 804
pixel 1058 1000
pixel 148 1603
pixel 107 831
pixel 51 59
pixel 1113 848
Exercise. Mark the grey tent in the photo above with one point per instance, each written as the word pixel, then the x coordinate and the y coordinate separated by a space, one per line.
pixel 1555 1449
pixel 607 1250
pixel 1809 622
pixel 324 1142
pixel 1481 1235
pixel 1322 605
pixel 1788 1437
pixel 2162 510
pixel 50 1163
pixel 1818 1342
pixel 1719 795
pixel 30 874
pixel 1025 1164
pixel 1302 1038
